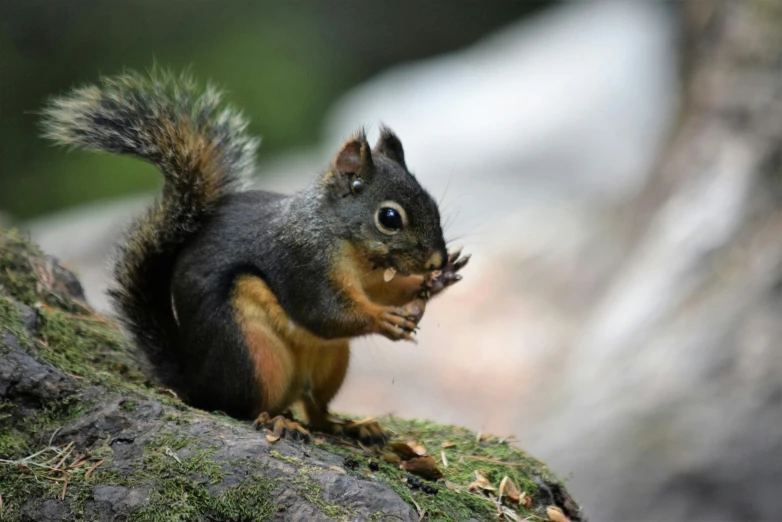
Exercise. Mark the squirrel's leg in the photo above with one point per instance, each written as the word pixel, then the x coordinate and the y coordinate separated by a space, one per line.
pixel 274 368
pixel 273 361
pixel 326 381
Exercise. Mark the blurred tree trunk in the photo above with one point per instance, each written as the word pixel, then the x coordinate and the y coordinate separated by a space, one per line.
pixel 691 324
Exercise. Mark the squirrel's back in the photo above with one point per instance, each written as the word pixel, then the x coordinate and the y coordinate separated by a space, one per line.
pixel 204 154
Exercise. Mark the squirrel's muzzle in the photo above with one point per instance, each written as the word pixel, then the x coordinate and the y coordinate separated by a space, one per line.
pixel 436 260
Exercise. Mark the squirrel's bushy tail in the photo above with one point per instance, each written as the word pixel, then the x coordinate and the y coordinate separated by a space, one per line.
pixel 203 152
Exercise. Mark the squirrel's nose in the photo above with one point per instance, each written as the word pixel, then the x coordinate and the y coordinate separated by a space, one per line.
pixel 436 260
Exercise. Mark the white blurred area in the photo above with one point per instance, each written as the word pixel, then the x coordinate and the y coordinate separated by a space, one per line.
pixel 533 138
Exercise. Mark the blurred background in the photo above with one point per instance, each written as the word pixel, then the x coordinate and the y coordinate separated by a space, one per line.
pixel 614 167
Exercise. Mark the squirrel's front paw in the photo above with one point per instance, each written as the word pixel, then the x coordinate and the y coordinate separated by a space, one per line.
pixel 440 280
pixel 396 323
pixel 282 427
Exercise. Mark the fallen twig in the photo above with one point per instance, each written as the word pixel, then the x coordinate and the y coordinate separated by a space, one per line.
pixel 93 468
pixel 69 447
pixel 64 489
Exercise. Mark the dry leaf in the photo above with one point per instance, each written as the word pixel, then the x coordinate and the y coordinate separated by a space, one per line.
pixel 338 469
pixel 445 459
pixel 509 490
pixel 272 438
pixel 481 482
pixel 419 448
pixel 425 467
pixel 318 442
pixel 391 458
pixel 446 445
pixel 404 451
pixel 450 485
pixel 556 514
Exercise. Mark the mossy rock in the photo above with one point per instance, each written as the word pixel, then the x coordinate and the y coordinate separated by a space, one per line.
pixel 85 436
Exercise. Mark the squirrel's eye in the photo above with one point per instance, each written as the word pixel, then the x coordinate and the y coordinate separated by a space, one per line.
pixel 389 220
pixel 390 217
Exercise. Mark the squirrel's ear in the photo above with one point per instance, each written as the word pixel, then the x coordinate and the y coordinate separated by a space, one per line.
pixel 351 167
pixel 389 146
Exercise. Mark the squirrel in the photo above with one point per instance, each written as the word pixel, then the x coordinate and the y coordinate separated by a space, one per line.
pixel 244 301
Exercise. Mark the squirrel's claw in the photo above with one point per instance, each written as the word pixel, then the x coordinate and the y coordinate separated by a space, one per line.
pixel 460 263
pixel 397 323
pixel 282 427
pixel 447 276
pixel 454 254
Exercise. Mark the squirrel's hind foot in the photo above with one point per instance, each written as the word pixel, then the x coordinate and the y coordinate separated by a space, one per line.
pixel 282 427
pixel 367 432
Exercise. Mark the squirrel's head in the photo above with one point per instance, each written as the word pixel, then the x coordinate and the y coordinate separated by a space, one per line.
pixel 381 207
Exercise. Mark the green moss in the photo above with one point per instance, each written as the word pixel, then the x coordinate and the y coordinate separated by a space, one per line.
pixel 468 453
pixel 251 500
pixel 11 322
pixel 179 499
pixel 16 488
pixel 69 335
pixel 86 346
pixel 13 445
pixel 91 348
pixel 181 485
pixel 312 492
pixel 279 456
pixel 160 458
pixel 53 415
pixel 17 275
